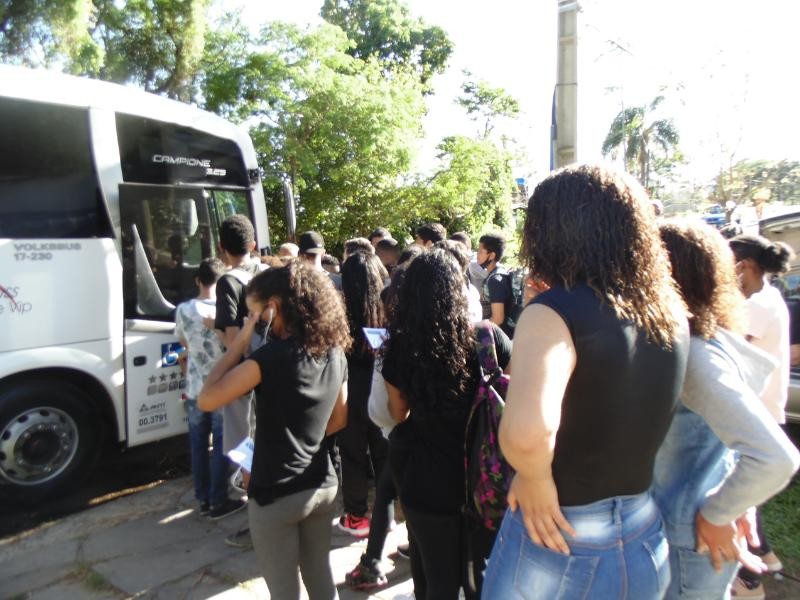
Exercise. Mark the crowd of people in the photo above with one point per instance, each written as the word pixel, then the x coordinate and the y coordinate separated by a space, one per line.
pixel 647 379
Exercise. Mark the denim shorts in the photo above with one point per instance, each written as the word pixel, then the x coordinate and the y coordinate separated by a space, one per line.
pixel 620 552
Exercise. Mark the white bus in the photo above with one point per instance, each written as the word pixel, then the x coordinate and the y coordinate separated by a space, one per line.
pixel 109 199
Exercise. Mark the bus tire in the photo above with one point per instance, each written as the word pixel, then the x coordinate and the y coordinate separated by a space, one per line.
pixel 49 438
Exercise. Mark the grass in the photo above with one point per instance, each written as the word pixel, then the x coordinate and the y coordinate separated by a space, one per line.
pixel 782 522
pixel 91 578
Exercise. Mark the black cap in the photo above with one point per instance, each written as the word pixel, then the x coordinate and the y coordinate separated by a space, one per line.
pixel 311 243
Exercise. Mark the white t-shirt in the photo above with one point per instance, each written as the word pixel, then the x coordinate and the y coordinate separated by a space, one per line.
pixel 474 303
pixel 768 326
pixel 204 346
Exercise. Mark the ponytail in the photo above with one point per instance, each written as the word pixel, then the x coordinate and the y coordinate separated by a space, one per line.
pixel 771 257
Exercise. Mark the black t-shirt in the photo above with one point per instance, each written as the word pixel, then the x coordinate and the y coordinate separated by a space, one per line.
pixel 618 403
pixel 294 402
pixel 431 446
pixel 231 306
pixel 497 290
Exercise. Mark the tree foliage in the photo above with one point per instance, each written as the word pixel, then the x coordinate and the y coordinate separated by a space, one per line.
pixel 647 145
pixel 38 33
pixel 155 44
pixel 779 181
pixel 340 130
pixel 485 103
pixel 385 30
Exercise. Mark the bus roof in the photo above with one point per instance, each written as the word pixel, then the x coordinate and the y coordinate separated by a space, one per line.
pixel 40 85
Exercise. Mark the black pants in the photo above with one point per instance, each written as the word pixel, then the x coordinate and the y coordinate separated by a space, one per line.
pixel 450 554
pixel 382 513
pixel 360 435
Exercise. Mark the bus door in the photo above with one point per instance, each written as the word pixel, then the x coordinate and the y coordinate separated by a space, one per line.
pixel 166 232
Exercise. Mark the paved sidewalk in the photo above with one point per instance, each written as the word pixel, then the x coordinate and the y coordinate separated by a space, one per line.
pixel 153 544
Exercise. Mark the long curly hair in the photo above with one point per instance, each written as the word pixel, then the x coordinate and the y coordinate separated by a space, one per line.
pixel 430 337
pixel 363 278
pixel 702 266
pixel 588 225
pixel 311 308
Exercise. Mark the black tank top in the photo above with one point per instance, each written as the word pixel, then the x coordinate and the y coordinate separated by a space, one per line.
pixel 618 403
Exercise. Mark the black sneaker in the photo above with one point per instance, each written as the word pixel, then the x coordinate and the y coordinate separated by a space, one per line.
pixel 366 576
pixel 403 552
pixel 240 539
pixel 228 507
pixel 204 509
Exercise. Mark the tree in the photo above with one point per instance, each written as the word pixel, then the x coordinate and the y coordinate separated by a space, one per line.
pixel 385 30
pixel 342 131
pixel 472 187
pixel 38 33
pixel 780 181
pixel 486 103
pixel 641 139
pixel 155 44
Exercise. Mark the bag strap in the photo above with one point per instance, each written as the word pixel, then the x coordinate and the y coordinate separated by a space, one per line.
pixel 243 276
pixel 487 352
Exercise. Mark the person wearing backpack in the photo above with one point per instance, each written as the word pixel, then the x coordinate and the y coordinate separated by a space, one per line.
pixel 431 369
pixel 497 293
pixel 236 240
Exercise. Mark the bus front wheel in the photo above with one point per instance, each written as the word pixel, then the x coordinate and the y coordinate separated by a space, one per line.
pixel 48 438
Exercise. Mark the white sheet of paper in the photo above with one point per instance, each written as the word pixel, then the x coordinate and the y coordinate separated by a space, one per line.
pixel 242 455
pixel 375 336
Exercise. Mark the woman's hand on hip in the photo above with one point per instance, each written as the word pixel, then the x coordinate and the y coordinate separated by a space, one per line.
pixel 541 513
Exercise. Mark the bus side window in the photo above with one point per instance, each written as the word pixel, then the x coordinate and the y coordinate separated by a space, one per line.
pixel 48 184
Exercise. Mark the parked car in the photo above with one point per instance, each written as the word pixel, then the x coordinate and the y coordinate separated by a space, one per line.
pixel 786 228
pixel 715 216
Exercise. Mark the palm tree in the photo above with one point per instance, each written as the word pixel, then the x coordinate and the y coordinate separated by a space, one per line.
pixel 638 135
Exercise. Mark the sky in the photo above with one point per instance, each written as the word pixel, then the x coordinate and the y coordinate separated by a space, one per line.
pixel 725 68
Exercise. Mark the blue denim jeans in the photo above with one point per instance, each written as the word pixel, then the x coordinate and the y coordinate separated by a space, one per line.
pixel 209 470
pixel 694 577
pixel 620 552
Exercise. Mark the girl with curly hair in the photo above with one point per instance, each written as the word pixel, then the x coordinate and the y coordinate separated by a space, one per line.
pixel 719 422
pixel 430 365
pixel 300 379
pixel 598 363
pixel 363 277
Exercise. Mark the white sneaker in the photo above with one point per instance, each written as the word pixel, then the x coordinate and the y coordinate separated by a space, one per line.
pixel 237 481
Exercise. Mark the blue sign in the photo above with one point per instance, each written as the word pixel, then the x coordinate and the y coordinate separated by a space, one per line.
pixel 170 354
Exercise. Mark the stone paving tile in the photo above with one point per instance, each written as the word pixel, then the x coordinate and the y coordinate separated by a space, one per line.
pixel 196 586
pixel 22 572
pixel 147 534
pixel 147 571
pixel 70 589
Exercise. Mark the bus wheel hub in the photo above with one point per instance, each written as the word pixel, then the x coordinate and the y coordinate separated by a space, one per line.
pixel 37 445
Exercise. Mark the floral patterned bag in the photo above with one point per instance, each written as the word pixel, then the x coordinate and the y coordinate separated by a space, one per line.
pixel 488 475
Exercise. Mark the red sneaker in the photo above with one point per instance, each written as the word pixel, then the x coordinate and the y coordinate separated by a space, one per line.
pixel 357 526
